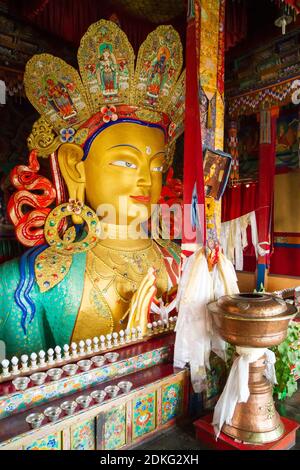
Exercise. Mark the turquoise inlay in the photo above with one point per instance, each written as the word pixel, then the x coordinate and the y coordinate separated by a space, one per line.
pixel 18 292
pixel 29 305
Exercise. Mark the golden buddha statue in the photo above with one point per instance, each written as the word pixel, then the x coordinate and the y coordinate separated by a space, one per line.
pixel 113 138
pixel 124 170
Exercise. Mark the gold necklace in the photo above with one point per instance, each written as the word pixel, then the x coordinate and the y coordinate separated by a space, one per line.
pixel 121 232
pixel 124 263
pixel 99 301
pixel 127 271
pixel 102 305
pixel 112 281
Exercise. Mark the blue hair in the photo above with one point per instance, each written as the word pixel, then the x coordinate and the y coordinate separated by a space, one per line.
pixel 22 293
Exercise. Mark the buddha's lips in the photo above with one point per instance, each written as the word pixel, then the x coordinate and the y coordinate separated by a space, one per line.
pixel 141 198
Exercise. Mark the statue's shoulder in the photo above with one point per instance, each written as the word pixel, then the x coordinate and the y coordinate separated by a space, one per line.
pixel 52 267
pixel 47 267
pixel 170 247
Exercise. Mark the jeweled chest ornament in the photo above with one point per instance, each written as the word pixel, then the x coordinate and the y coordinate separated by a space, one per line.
pixel 148 150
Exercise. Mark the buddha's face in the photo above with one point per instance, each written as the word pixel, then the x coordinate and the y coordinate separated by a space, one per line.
pixel 124 169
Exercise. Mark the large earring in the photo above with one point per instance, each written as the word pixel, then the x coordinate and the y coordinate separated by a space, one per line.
pixel 67 244
pixel 53 264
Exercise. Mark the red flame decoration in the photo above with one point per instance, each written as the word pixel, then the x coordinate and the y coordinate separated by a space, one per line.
pixel 29 225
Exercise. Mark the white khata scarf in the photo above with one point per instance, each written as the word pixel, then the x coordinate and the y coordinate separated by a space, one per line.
pixel 195 338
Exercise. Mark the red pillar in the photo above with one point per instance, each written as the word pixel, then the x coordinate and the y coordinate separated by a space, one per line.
pixel 266 173
pixel 194 224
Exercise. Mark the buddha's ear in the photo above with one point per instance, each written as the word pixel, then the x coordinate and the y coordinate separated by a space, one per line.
pixel 72 169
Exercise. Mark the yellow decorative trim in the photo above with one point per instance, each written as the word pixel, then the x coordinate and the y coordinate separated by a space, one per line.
pixel 80 136
pixel 148 114
pixel 209 32
pixel 168 244
pixel 219 130
pixel 53 264
pixel 43 138
pixel 176 109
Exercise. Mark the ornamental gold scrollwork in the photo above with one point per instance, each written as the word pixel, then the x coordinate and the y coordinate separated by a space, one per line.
pixel 43 138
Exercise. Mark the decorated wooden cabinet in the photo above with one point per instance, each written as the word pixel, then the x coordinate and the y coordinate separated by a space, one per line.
pixel 158 397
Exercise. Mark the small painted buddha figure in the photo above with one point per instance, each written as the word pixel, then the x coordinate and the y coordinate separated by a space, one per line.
pixel 112 150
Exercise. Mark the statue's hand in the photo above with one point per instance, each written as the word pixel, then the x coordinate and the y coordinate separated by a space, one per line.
pixel 140 303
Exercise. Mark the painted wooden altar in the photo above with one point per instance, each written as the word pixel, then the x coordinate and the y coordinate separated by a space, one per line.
pixel 158 398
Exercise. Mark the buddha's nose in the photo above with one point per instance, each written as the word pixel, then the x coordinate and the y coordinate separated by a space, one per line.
pixel 144 178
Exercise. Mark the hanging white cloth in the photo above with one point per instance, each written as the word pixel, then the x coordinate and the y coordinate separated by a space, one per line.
pixel 162 309
pixel 244 222
pixel 254 232
pixel 224 237
pixel 236 389
pixel 234 238
pixel 224 283
pixel 227 284
pixel 270 373
pixel 231 241
pixel 195 338
pixel 192 344
pixel 238 247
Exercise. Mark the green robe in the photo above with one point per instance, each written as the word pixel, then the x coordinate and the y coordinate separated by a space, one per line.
pixel 56 310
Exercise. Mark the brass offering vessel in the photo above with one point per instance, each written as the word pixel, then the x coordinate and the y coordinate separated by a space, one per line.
pixel 253 321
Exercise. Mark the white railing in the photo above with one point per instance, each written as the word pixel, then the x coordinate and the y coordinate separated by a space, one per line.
pixel 58 356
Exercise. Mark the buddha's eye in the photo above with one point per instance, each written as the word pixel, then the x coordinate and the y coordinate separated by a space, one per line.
pixel 124 164
pixel 158 169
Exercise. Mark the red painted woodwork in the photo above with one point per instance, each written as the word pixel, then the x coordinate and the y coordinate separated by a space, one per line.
pixel 205 433
pixel 15 425
pixel 125 352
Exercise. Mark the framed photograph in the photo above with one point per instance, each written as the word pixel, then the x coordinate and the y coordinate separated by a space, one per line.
pixel 216 167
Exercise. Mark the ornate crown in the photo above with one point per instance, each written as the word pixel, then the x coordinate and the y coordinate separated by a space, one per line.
pixel 73 109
